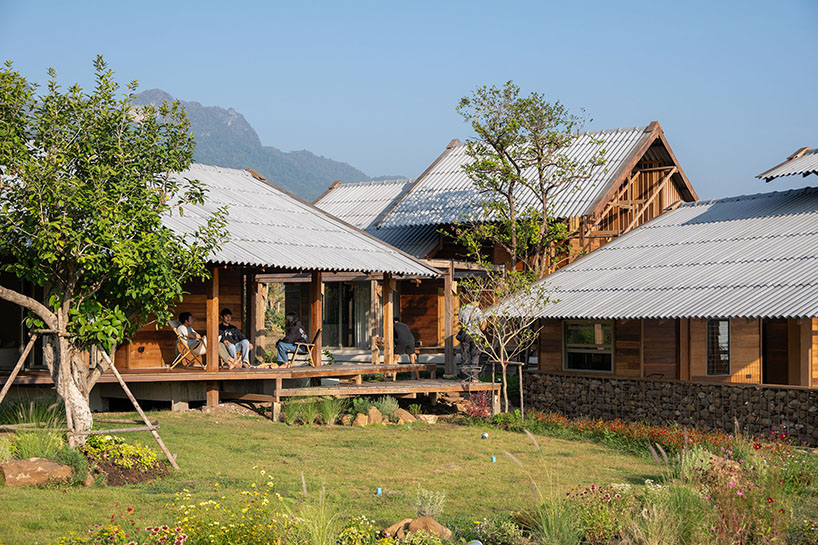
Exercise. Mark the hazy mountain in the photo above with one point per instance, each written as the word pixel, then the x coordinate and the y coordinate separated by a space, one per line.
pixel 225 138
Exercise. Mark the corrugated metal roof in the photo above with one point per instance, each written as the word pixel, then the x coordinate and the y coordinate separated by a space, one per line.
pixel 804 164
pixel 415 240
pixel 748 256
pixel 361 203
pixel 445 195
pixel 270 228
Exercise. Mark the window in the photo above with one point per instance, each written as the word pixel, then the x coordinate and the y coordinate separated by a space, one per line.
pixel 718 347
pixel 588 346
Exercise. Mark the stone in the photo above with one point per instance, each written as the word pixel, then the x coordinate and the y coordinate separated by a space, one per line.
pixel 428 418
pixel 347 419
pixel 397 530
pixel 375 416
pixel 429 525
pixel 361 420
pixel 34 471
pixel 406 416
pixel 89 481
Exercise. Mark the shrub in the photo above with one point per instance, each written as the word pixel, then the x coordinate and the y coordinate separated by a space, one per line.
pixel 415 409
pixel 37 444
pixel 115 450
pixel 600 510
pixel 74 459
pixel 331 409
pixel 5 450
pixel 479 405
pixel 361 405
pixel 501 532
pixel 553 522
pixel 358 531
pixel 429 503
pixel 46 411
pixel 387 405
pixel 419 538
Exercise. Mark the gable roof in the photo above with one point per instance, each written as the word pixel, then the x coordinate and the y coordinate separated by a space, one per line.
pixel 361 203
pixel 268 227
pixel 444 194
pixel 803 162
pixel 748 256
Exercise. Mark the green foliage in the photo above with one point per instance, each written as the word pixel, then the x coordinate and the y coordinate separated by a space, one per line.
pixel 429 503
pixel 331 409
pixel 289 412
pixel 308 411
pixel 554 522
pixel 45 411
pixel 315 523
pixel 520 150
pixel 115 450
pixel 361 405
pixel 329 356
pixel 415 409
pixel 358 531
pixel 501 532
pixel 387 405
pixel 74 459
pixel 5 450
pixel 419 538
pixel 87 191
pixel 37 444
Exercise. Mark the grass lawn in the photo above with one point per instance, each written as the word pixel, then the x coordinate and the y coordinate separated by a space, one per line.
pixel 217 454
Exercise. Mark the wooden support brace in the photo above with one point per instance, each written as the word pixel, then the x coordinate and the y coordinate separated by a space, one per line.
pixel 17 367
pixel 168 455
pixel 656 192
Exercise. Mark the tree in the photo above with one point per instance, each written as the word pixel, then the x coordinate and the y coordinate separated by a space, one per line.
pixel 87 184
pixel 518 163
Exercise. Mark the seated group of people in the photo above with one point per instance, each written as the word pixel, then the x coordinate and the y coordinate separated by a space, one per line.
pixel 237 345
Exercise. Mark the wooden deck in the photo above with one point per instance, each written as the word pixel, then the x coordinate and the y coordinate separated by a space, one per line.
pixel 194 375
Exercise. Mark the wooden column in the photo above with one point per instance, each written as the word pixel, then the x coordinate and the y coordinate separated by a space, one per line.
pixel 799 340
pixel 448 320
pixel 373 322
pixel 684 349
pixel 213 336
pixel 388 318
pixel 316 314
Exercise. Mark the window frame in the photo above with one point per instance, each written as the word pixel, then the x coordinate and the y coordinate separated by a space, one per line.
pixel 707 347
pixel 611 351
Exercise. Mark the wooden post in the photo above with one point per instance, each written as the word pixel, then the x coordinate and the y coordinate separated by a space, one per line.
pixel 251 287
pixel 448 320
pixel 316 314
pixel 373 322
pixel 213 336
pixel 388 318
pixel 17 367
pixel 684 349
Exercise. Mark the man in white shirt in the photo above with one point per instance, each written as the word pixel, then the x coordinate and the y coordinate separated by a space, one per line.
pixel 187 331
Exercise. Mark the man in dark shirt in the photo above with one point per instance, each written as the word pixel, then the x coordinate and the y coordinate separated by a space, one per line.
pixel 233 338
pixel 294 333
pixel 404 342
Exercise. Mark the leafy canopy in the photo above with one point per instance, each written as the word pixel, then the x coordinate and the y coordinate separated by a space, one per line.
pixel 86 188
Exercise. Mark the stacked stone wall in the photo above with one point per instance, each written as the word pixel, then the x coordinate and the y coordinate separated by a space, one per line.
pixel 757 409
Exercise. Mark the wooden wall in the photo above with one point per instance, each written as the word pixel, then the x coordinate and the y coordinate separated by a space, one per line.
pixel 661 348
pixel 628 348
pixel 419 302
pixel 814 363
pixel 745 351
pixel 152 347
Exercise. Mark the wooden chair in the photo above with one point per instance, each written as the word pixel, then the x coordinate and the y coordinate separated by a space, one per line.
pixel 186 355
pixel 308 347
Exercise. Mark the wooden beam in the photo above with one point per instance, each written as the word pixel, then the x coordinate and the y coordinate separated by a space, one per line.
pixel 388 319
pixel 17 367
pixel 656 192
pixel 316 314
pixel 212 319
pixel 684 349
pixel 448 320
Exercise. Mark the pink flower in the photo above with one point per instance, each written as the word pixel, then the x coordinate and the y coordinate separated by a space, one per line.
pixel 731 483
pixel 740 493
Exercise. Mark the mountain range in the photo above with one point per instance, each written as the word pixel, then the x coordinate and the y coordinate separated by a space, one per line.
pixel 225 138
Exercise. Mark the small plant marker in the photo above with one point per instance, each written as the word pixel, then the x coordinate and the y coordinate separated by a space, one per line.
pixel 493 459
pixel 378 492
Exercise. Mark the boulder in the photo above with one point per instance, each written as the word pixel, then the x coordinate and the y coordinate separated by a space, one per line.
pixel 429 525
pixel 428 418
pixel 347 419
pixel 375 416
pixel 361 420
pixel 406 416
pixel 397 530
pixel 34 471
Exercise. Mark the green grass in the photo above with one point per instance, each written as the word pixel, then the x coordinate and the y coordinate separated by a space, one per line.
pixel 217 454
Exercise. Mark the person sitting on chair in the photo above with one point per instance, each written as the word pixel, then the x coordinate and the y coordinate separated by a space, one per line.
pixel 404 342
pixel 294 333
pixel 233 338
pixel 186 330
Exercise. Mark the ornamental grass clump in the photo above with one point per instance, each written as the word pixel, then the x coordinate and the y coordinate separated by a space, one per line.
pixel 387 405
pixel 361 405
pixel 331 409
pixel 308 411
pixel 429 503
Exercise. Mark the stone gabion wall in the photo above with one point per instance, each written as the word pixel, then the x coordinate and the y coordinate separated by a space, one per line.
pixel 757 409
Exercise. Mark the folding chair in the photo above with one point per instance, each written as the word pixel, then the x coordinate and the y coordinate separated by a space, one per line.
pixel 186 354
pixel 308 347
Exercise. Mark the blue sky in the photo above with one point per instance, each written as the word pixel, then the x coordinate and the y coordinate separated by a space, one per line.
pixel 375 84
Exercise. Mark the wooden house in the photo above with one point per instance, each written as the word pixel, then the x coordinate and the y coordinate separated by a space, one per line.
pixel 269 232
pixel 712 291
pixel 639 181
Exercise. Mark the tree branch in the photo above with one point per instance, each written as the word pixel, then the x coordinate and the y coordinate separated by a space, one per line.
pixel 33 305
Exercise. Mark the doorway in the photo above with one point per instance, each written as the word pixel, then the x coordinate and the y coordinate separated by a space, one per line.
pixel 774 351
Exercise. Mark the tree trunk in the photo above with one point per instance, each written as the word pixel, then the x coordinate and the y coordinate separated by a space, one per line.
pixel 504 365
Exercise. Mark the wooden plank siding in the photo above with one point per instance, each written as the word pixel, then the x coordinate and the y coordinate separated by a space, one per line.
pixel 628 348
pixel 661 348
pixel 814 373
pixel 152 347
pixel 745 351
pixel 419 309
pixel 550 349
